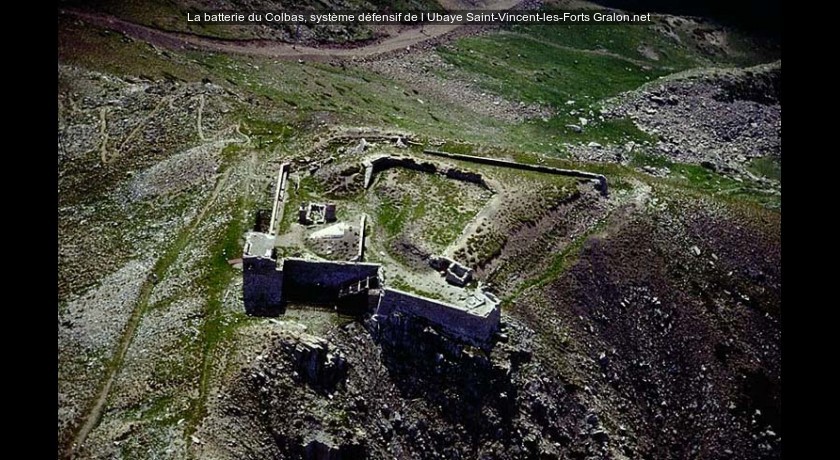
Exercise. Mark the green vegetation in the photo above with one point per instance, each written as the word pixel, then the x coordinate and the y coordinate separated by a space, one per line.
pixel 461 148
pixel 265 135
pixel 571 81
pixel 429 206
pixel 219 322
pixel 537 63
pixel 348 94
pixel 697 179
pixel 278 105
pixel 633 43
pixel 559 263
pixel 483 245
pixel 455 209
pixel 392 214
pixel 769 167
pixel 572 69
pixel 532 72
pixel 112 52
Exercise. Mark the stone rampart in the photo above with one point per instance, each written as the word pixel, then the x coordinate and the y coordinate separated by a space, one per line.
pixel 475 326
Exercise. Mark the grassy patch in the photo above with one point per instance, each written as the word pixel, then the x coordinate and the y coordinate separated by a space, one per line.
pixel 461 148
pixel 392 214
pixel 101 49
pixel 265 134
pixel 532 71
pixel 423 206
pixel 218 322
pixel 483 246
pixel 769 167
pixel 695 178
pixel 348 94
pixel 527 68
pixel 640 43
pixel 572 68
pixel 559 263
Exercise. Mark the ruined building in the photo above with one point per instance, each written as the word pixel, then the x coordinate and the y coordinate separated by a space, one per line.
pixel 357 286
pixel 269 282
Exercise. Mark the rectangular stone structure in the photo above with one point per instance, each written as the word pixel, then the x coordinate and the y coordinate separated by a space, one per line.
pixel 262 281
pixel 475 326
pixel 262 286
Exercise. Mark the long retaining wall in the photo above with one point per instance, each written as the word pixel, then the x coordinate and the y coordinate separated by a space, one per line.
pixel 469 326
pixel 279 198
pixel 602 180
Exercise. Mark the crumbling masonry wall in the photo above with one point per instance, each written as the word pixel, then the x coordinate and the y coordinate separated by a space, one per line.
pixel 376 165
pixel 279 198
pixel 474 328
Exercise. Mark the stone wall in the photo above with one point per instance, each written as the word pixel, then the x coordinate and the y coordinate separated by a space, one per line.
pixel 262 286
pixel 455 321
pixel 279 197
pixel 320 281
pixel 360 252
pixel 466 176
pixel 376 165
pixel 602 180
pixel 262 222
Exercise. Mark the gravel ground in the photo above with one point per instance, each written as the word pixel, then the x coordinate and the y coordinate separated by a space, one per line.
pixel 178 172
pixel 424 72
pixel 720 117
pixel 89 327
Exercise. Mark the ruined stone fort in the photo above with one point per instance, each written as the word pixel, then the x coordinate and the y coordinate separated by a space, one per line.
pixel 270 282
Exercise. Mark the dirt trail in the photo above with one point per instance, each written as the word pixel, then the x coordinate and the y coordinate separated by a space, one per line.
pixel 198 119
pixel 497 201
pixel 270 48
pixel 103 134
pixel 134 132
pixel 91 419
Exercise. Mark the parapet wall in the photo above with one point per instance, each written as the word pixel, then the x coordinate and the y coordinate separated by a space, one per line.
pixel 469 326
pixel 320 281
